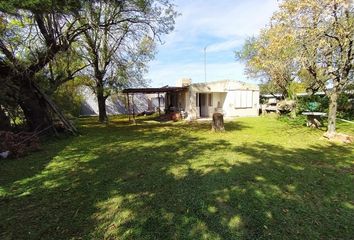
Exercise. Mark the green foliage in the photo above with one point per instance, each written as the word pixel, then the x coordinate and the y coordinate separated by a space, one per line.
pixel 269 88
pixel 295 88
pixel 66 66
pixel 42 6
pixel 248 51
pixel 324 33
pixel 69 98
pixel 267 59
pixel 261 179
pixel 309 42
pixel 118 53
pixel 306 103
pixel 49 42
pixel 345 106
pixel 30 40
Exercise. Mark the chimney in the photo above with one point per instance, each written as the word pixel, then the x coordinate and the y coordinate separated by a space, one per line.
pixel 184 82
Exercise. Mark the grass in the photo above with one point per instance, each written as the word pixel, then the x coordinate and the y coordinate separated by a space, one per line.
pixel 261 179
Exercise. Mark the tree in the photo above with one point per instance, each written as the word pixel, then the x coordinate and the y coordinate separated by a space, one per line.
pixel 320 37
pixel 65 67
pixel 120 41
pixel 33 33
pixel 267 59
pixel 324 31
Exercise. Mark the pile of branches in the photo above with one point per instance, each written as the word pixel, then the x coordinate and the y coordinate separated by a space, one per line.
pixel 18 144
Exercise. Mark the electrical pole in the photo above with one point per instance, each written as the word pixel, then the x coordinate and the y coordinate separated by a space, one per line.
pixel 205 75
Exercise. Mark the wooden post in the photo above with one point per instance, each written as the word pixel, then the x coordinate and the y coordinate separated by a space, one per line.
pixel 128 106
pixel 158 96
pixel 133 108
pixel 69 126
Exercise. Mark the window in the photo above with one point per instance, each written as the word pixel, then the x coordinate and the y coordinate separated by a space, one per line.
pixel 210 100
pixel 243 99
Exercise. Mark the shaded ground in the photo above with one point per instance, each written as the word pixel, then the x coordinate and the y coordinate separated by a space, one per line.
pixel 262 179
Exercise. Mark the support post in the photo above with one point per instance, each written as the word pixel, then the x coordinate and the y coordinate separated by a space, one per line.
pixel 133 108
pixel 158 96
pixel 128 106
pixel 68 125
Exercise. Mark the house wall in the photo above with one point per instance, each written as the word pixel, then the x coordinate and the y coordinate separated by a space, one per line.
pixel 223 99
pixel 231 110
pixel 191 105
pixel 182 100
pixel 217 100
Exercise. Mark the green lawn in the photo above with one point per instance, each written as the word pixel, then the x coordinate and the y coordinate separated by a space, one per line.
pixel 261 179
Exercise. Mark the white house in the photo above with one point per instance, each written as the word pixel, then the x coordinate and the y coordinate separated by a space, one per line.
pixel 201 100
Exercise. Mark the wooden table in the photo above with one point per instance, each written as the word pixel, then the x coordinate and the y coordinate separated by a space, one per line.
pixel 314 118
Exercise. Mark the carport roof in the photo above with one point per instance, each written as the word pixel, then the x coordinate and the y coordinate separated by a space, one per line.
pixel 155 90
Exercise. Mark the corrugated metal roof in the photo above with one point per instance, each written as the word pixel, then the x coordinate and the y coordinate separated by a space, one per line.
pixel 155 90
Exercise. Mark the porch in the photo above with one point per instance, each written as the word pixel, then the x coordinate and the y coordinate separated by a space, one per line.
pixel 167 91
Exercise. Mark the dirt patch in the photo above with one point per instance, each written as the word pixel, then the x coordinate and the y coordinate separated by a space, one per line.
pixel 340 137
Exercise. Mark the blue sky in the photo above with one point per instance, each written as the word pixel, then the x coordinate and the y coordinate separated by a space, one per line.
pixel 222 26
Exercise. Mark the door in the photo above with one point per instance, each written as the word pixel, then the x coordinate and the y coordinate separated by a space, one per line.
pixel 203 105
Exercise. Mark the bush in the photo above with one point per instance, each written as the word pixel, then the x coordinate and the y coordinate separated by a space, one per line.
pixel 69 98
pixel 312 103
pixel 345 105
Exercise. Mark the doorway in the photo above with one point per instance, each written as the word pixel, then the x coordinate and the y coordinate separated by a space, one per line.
pixel 203 102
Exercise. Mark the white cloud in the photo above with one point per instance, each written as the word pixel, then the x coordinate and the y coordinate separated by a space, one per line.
pixel 221 25
pixel 222 18
pixel 223 46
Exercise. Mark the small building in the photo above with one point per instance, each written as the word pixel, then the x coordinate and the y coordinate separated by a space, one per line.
pixel 201 100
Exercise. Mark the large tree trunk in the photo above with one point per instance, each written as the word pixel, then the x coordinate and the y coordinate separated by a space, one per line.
pixel 35 109
pixel 332 113
pixel 101 99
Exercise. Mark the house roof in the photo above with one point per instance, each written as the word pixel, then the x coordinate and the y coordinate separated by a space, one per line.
pixel 165 89
pixel 214 86
pixel 223 86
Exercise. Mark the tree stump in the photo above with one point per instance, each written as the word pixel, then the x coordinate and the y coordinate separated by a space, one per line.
pixel 218 123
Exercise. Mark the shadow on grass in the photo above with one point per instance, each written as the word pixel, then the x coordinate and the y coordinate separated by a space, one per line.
pixel 29 166
pixel 173 181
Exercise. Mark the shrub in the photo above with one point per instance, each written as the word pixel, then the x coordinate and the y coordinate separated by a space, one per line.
pixel 345 105
pixel 312 103
pixel 69 98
